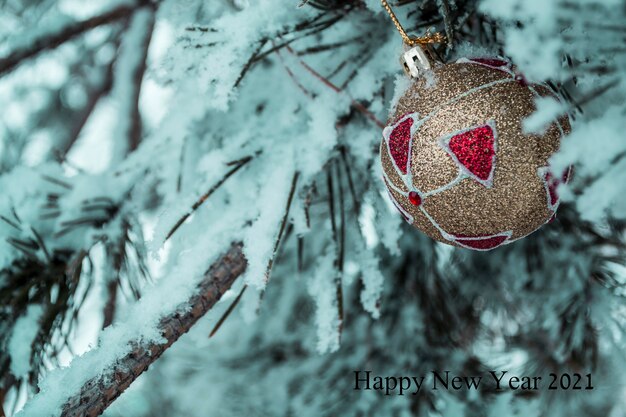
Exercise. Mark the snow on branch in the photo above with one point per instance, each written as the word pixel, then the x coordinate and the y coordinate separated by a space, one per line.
pixel 95 380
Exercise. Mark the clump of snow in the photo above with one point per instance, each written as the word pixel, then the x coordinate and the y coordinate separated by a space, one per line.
pixel 604 195
pixel 24 332
pixel 548 110
pixel 534 46
pixel 578 149
pixel 431 79
pixel 537 58
pixel 374 5
pixel 471 50
pixel 241 4
pixel 373 281
pixel 401 85
pixel 271 203
pixel 323 290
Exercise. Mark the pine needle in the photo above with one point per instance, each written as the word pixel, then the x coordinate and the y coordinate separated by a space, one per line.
pixel 240 164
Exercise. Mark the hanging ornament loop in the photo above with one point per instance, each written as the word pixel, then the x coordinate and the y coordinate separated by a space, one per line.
pixel 428 38
pixel 415 62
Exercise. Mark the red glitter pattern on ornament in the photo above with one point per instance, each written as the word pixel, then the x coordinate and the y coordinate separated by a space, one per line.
pixel 485 243
pixel 415 199
pixel 475 150
pixel 521 80
pixel 399 141
pixel 491 62
pixel 552 184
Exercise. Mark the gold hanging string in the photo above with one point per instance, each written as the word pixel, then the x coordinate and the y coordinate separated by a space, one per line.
pixel 428 38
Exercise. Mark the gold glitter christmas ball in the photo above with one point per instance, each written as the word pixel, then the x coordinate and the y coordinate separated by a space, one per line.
pixel 457 163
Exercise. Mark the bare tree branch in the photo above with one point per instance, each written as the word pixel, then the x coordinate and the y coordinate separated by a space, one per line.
pixel 117 258
pixel 2 395
pixel 68 33
pixel 134 135
pixel 94 94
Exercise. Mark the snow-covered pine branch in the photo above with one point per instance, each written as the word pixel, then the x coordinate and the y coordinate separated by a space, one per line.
pixel 139 139
pixel 126 350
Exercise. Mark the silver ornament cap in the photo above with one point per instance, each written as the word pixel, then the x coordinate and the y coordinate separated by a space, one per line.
pixel 415 62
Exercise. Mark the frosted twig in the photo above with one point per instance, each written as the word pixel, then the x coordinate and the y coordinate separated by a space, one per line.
pixel 203 198
pixel 41 244
pixel 229 310
pixel 322 48
pixel 300 261
pixel 346 164
pixel 57 181
pixel 283 223
pixel 444 8
pixel 292 75
pixel 307 218
pixel 250 61
pixel 320 27
pixel 10 223
pixel 338 238
pixel 340 250
pixel 358 106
